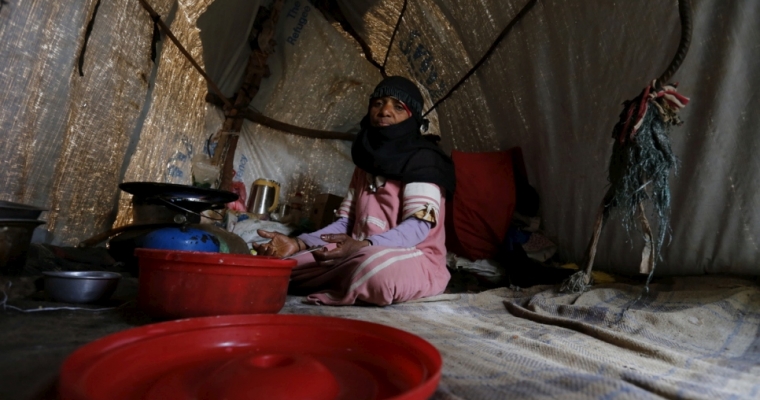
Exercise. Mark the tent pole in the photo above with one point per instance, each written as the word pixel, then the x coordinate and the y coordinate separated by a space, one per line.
pixel 255 72
pixel 262 119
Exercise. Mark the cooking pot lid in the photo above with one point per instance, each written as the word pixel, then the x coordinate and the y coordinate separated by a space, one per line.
pixel 21 222
pixel 195 198
pixel 19 206
pixel 264 356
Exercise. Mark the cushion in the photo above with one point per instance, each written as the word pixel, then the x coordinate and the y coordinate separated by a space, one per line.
pixel 479 216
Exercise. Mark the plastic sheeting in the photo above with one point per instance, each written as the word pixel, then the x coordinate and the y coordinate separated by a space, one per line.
pixel 65 136
pixel 224 28
pixel 175 122
pixel 319 80
pixel 554 87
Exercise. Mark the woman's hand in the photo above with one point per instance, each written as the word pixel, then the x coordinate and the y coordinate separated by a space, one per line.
pixel 279 246
pixel 346 246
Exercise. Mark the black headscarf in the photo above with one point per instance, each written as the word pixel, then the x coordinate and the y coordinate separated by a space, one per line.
pixel 399 151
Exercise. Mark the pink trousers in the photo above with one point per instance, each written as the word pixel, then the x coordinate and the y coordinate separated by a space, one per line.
pixel 376 275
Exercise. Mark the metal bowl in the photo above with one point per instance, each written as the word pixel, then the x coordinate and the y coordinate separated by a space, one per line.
pixel 80 286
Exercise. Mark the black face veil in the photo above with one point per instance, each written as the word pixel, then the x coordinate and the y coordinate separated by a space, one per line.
pixel 399 152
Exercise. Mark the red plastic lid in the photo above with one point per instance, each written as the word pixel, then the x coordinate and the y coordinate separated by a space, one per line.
pixel 254 357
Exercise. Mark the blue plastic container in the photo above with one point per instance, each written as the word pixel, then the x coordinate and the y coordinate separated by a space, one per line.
pixel 183 239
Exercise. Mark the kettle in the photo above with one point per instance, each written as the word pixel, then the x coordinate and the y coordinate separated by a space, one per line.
pixel 265 195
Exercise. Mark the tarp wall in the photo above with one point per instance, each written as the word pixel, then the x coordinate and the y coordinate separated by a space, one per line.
pixel 554 87
pixel 66 137
pixel 319 80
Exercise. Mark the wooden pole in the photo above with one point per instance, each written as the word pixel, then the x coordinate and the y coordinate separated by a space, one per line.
pixel 648 253
pixel 255 72
pixel 262 119
pixel 601 217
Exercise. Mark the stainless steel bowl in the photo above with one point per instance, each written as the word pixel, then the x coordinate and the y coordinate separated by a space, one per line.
pixel 80 286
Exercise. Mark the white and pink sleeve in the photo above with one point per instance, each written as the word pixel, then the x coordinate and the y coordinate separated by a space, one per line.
pixel 421 200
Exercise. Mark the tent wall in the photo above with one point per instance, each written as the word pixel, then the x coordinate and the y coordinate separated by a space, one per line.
pixel 555 86
pixel 65 136
pixel 177 120
pixel 70 140
pixel 319 80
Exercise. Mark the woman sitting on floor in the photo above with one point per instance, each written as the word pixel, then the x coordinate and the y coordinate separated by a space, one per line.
pixel 388 244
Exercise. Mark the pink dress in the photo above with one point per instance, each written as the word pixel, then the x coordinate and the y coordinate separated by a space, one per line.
pixel 376 274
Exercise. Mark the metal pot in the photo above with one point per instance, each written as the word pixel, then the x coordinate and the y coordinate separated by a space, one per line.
pixel 10 210
pixel 15 236
pixel 265 195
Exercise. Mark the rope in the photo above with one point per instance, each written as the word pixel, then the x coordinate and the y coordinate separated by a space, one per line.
pixel 684 11
pixel 487 54
pixel 576 283
pixel 157 20
pixel 261 119
pixel 393 36
pixel 5 306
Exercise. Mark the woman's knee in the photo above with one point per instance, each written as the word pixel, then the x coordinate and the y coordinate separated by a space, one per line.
pixel 380 289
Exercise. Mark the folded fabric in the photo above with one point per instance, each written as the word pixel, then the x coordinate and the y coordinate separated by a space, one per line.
pixel 539 247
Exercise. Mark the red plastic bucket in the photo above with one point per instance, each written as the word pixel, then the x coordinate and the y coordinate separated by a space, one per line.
pixel 182 284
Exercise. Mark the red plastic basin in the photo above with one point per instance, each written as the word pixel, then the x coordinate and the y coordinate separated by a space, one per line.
pixel 235 357
pixel 182 284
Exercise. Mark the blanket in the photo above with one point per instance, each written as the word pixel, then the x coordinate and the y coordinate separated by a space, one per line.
pixel 690 337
